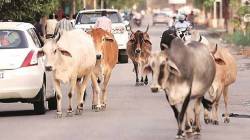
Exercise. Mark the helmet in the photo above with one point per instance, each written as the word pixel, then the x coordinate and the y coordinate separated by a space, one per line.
pixel 182 17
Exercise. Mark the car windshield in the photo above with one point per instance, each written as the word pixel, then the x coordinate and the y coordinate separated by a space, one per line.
pixel 11 39
pixel 91 17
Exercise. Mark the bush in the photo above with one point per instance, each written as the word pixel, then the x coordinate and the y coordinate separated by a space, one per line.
pixel 238 38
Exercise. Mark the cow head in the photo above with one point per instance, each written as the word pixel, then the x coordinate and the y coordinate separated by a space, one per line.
pixel 162 69
pixel 53 54
pixel 139 39
pixel 100 38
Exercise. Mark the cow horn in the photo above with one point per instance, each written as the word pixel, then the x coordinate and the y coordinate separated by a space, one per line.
pixel 131 29
pixel 215 49
pixel 147 29
pixel 57 37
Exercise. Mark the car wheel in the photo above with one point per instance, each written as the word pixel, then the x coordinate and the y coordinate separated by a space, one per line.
pixel 52 103
pixel 41 104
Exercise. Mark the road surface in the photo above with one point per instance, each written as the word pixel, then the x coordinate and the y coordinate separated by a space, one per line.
pixel 133 113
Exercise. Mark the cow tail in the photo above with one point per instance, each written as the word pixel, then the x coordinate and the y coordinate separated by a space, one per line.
pixel 206 104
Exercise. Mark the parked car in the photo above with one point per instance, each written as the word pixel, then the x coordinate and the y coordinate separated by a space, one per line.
pixel 87 18
pixel 160 18
pixel 22 74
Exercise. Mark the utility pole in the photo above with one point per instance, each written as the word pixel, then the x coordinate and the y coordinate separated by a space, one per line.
pixel 102 4
pixel 94 4
pixel 73 11
pixel 84 4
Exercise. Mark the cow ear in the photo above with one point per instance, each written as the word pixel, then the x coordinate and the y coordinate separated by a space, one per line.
pixel 146 38
pixel 108 38
pixel 64 52
pixel 40 53
pixel 219 61
pixel 173 68
pixel 147 69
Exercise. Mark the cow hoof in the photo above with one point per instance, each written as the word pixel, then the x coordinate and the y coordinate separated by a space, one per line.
pixel 94 107
pixel 58 115
pixel 197 131
pixel 146 82
pixel 226 120
pixel 79 111
pixel 180 134
pixel 69 114
pixel 207 121
pixel 188 129
pixel 215 122
pixel 141 84
pixel 104 106
pixel 137 84
pixel 179 137
pixel 98 109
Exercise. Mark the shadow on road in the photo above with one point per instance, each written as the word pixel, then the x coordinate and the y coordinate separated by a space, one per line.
pixel 238 115
pixel 17 113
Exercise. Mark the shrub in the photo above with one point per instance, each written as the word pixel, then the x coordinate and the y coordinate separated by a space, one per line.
pixel 238 38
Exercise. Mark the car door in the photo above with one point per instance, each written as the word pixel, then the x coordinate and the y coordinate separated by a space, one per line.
pixel 49 82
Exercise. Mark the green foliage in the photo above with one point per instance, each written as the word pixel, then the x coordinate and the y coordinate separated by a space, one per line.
pixel 243 10
pixel 238 38
pixel 119 4
pixel 206 3
pixel 26 10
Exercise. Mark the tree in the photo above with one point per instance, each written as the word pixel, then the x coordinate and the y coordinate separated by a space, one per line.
pixel 26 10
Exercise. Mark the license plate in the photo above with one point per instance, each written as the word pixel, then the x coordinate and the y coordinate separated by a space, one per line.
pixel 1 75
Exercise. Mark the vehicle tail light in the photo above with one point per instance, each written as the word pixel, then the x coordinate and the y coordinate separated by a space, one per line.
pixel 30 59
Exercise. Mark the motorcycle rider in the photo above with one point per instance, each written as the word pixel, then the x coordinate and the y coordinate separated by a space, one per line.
pixel 182 26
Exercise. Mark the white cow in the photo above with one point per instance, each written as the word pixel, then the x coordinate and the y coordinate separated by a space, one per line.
pixel 72 56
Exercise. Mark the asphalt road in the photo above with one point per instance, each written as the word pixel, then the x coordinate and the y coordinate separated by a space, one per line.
pixel 133 113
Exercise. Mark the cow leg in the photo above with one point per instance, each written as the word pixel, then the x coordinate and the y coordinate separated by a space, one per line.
pixel 73 83
pixel 215 113
pixel 207 115
pixel 136 73
pixel 58 98
pixel 173 107
pixel 82 88
pixel 104 89
pixel 225 94
pixel 146 80
pixel 197 109
pixel 182 113
pixel 96 103
pixel 189 120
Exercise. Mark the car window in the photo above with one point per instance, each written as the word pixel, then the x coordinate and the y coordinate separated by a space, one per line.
pixel 91 17
pixel 11 39
pixel 34 38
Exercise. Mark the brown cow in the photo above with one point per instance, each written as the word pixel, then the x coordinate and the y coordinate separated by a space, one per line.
pixel 139 49
pixel 107 58
pixel 226 71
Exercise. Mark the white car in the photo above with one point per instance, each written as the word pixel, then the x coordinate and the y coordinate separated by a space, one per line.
pixel 87 18
pixel 22 74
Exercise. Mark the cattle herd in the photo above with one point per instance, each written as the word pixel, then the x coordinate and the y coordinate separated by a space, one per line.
pixel 192 73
